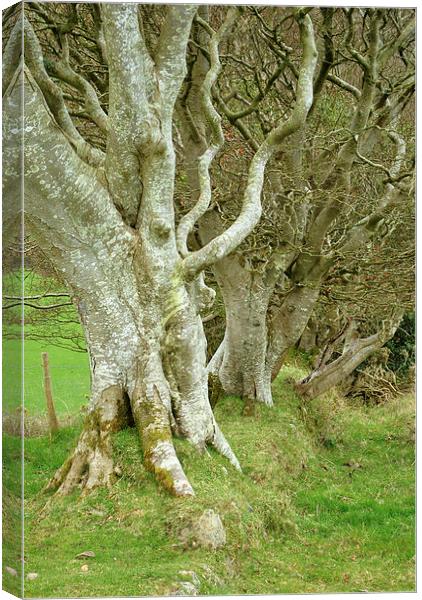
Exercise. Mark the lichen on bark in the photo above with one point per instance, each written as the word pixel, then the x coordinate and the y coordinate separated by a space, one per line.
pixel 116 250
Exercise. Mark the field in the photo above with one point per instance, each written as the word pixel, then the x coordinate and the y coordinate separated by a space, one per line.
pixel 69 373
pixel 325 502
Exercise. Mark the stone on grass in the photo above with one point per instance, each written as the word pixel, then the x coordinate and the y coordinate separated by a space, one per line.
pixel 210 532
pixel 184 588
pixel 206 531
pixel 85 554
pixel 192 576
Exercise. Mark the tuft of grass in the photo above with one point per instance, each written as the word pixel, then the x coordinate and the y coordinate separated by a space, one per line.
pixel 322 416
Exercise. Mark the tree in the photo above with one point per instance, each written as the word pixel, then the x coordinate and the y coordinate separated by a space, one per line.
pixel 368 294
pixel 333 192
pixel 354 352
pixel 106 218
pixel 241 367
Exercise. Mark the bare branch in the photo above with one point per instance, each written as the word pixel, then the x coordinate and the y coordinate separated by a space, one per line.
pixel 260 96
pixel 354 353
pixel 345 85
pixel 250 213
pixel 231 116
pixel 340 175
pixel 213 120
pixel 38 306
pixel 170 54
pixel 100 41
pixel 367 227
pixel 359 58
pixel 54 99
pixel 92 106
pixel 403 40
pixel 328 60
pixel 133 126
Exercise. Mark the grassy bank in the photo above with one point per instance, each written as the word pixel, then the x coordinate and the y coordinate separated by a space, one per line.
pixel 325 503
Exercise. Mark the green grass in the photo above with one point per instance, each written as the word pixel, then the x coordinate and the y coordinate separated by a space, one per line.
pixel 12 513
pixel 365 514
pixel 69 370
pixel 11 373
pixel 69 373
pixel 297 519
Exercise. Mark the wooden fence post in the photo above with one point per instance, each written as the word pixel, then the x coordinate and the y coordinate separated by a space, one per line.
pixel 52 417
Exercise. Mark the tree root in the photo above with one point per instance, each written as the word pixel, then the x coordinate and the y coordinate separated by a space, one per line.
pixel 263 392
pixel 222 446
pixel 91 463
pixel 153 423
pixel 163 462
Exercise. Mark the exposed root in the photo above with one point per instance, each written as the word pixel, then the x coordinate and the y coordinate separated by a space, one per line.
pixel 186 350
pixel 215 363
pixel 163 461
pixel 153 422
pixel 222 446
pixel 263 393
pixel 91 464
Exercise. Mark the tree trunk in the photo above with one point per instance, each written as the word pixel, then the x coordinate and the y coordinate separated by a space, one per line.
pixel 241 360
pixel 308 339
pixel 356 351
pixel 141 318
pixel 288 322
pixel 257 336
pixel 106 221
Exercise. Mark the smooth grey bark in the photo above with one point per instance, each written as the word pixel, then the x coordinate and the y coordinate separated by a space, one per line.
pixel 241 360
pixel 308 339
pixel 224 244
pixel 108 224
pixel 12 55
